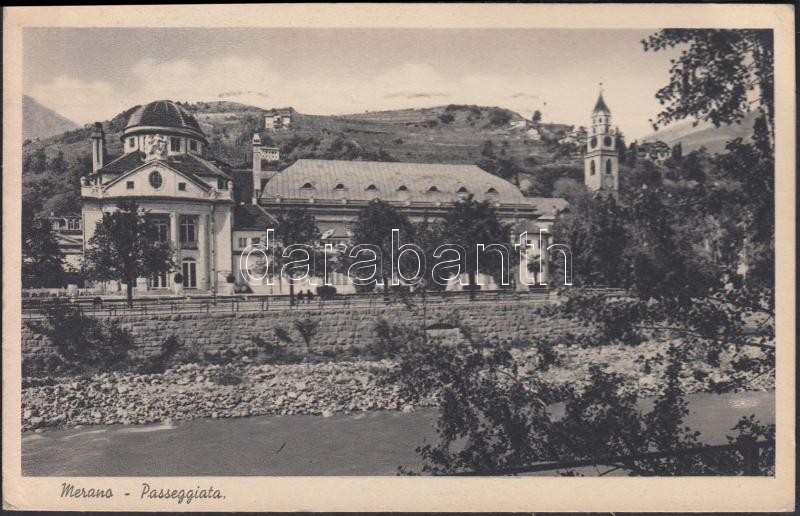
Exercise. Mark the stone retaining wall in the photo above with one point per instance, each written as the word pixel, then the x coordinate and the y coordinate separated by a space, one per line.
pixel 341 331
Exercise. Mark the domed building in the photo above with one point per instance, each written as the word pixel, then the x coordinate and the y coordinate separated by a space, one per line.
pixel 211 223
pixel 166 170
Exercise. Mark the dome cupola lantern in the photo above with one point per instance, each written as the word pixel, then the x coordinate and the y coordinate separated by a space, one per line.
pixel 163 123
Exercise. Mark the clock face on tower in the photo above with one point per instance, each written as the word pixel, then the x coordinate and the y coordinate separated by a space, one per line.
pixel 607 141
pixel 593 142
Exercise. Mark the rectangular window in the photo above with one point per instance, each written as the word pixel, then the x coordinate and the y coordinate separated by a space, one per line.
pixel 193 145
pixel 182 187
pixel 74 224
pixel 255 240
pixel 188 232
pixel 175 144
pixel 189 274
pixel 159 280
pixel 162 228
pixel 129 185
pixel 242 242
pixel 221 184
pixel 131 142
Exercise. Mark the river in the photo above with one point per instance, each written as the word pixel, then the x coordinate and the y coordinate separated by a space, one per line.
pixel 371 443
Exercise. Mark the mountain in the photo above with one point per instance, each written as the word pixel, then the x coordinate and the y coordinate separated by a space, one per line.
pixel 41 122
pixel 444 134
pixel 704 134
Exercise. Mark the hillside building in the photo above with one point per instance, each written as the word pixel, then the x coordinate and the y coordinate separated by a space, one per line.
pixel 68 232
pixel 278 119
pixel 656 151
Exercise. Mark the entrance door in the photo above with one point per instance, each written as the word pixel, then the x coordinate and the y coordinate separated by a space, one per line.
pixel 189 274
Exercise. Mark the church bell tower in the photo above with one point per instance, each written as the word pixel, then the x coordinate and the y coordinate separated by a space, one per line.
pixel 601 164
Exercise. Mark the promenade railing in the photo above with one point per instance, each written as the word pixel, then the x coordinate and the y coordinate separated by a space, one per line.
pixel 100 307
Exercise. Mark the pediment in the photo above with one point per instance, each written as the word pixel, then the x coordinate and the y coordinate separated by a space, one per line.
pixel 156 178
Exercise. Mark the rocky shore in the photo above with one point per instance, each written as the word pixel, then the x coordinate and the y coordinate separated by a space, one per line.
pixel 243 389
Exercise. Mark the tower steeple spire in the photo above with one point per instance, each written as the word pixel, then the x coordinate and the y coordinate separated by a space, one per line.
pixel 601 164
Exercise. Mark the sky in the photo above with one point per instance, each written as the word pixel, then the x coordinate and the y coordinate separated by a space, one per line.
pixel 91 74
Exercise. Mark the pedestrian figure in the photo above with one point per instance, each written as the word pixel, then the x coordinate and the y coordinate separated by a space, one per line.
pixel 309 296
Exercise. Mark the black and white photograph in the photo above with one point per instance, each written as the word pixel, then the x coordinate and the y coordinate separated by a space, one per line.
pixel 276 250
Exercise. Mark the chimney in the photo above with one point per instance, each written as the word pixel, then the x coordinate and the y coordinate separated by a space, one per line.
pixel 98 147
pixel 257 174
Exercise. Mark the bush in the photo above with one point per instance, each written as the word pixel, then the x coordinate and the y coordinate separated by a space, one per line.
pixel 178 278
pixel 230 278
pixel 85 342
pixel 499 117
pixel 160 363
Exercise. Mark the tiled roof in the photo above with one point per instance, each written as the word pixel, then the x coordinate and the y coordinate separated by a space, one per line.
pixel 548 206
pixel 367 180
pixel 163 113
pixel 121 164
pixel 249 217
pixel 188 164
pixel 195 165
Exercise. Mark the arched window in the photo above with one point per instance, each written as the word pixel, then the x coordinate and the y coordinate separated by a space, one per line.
pixel 402 188
pixel 491 191
pixel 307 186
pixel 433 189
pixel 608 166
pixel 372 188
pixel 463 189
pixel 339 186
pixel 592 168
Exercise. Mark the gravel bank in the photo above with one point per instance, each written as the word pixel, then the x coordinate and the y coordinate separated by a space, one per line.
pixel 198 391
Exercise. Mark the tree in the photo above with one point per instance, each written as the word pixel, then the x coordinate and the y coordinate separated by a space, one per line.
pixel 295 228
pixel 537 117
pixel 373 226
pixel 495 411
pixel 126 246
pixel 469 223
pixel 622 148
pixel 715 74
pixel 568 188
pixel 42 260
pixel 595 231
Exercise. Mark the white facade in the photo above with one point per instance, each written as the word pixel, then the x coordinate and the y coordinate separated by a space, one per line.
pixel 189 199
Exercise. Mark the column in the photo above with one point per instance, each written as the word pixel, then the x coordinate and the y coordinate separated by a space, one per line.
pixel 202 251
pixel 173 238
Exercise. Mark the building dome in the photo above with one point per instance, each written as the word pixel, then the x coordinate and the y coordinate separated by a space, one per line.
pixel 164 116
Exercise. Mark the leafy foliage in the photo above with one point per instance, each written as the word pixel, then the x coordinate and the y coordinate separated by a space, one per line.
pixel 494 417
pixel 373 226
pixel 295 228
pixel 715 75
pixel 125 246
pixel 470 223
pixel 82 342
pixel 42 260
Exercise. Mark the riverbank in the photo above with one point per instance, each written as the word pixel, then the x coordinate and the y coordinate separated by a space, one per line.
pixel 242 389
pixel 371 443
